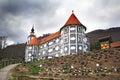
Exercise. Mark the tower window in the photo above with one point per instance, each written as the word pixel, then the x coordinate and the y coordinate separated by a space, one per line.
pixel 72 47
pixel 72 38
pixel 66 30
pixel 72 28
pixel 66 40
pixel 66 48
pixel 80 47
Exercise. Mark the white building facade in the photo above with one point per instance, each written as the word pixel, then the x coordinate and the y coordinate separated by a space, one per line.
pixel 70 39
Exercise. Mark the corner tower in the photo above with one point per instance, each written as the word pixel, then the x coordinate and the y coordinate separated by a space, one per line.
pixel 73 37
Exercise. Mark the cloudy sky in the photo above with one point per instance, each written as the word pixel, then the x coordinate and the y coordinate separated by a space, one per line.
pixel 47 16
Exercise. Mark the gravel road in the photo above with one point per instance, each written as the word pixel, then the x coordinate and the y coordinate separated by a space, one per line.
pixel 4 72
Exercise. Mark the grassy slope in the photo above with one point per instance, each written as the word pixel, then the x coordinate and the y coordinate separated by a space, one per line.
pixel 106 58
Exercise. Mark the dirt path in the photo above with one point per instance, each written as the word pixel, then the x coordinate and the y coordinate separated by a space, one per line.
pixel 4 72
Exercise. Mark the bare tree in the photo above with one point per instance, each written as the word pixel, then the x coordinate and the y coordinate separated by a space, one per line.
pixel 3 43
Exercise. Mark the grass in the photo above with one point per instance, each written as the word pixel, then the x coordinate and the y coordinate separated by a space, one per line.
pixel 34 66
pixel 33 70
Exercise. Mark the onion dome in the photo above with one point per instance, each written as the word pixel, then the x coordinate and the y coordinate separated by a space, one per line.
pixel 34 41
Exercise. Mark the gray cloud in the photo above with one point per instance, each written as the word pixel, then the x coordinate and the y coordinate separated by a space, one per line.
pixel 13 13
pixel 18 16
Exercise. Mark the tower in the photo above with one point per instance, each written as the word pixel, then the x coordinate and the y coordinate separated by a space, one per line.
pixel 31 47
pixel 73 37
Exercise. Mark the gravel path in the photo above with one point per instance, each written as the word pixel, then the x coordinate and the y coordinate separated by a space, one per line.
pixel 4 72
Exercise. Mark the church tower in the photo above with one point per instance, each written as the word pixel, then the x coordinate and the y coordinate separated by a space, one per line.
pixel 73 37
pixel 31 47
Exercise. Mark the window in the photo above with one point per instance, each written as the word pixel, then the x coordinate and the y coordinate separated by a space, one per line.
pixel 61 51
pixel 30 47
pixel 66 40
pixel 80 29
pixel 45 45
pixel 41 46
pixel 50 50
pixel 29 54
pixel 57 40
pixel 61 41
pixel 57 48
pixel 66 29
pixel 29 59
pixel 43 52
pixel 80 47
pixel 72 47
pixel 85 40
pixel 66 48
pixel 85 46
pixel 39 53
pixel 57 55
pixel 50 43
pixel 72 28
pixel 72 38
pixel 62 32
pixel 49 57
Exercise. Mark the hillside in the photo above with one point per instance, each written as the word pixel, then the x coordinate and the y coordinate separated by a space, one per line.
pixel 113 32
pixel 96 65
pixel 13 52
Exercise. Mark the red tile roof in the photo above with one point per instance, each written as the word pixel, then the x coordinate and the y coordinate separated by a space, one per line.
pixel 115 44
pixel 72 20
pixel 50 37
pixel 34 41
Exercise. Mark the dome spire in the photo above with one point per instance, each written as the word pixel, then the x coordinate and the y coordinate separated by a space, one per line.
pixel 72 11
pixel 32 30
